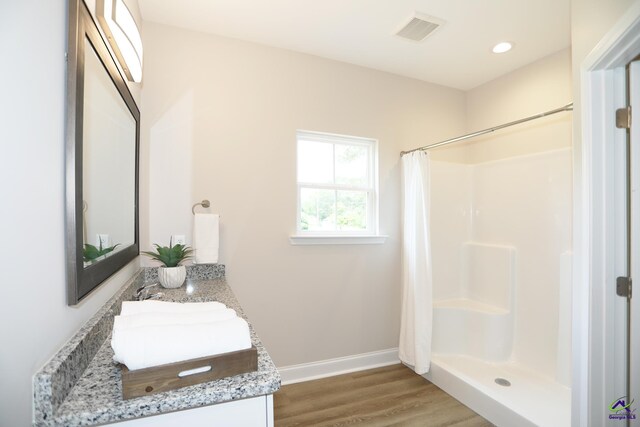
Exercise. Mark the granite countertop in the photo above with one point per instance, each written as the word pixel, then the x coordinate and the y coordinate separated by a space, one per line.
pixel 96 397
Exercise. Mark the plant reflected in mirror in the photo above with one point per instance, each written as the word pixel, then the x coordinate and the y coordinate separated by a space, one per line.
pixel 91 253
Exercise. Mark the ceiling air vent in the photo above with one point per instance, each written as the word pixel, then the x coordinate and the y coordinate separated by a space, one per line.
pixel 419 27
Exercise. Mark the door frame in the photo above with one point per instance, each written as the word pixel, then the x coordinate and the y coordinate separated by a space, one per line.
pixel 596 314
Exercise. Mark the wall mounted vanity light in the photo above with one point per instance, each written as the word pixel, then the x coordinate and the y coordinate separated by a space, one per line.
pixel 123 34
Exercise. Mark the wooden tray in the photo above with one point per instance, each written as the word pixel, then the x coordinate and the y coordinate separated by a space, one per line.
pixel 143 382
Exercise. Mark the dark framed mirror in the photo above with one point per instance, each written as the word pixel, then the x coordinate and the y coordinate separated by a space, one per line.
pixel 102 158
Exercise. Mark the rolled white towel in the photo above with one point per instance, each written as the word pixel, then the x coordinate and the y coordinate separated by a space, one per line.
pixel 147 346
pixel 137 307
pixel 159 319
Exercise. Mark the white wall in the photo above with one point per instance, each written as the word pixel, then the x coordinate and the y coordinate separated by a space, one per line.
pixel 35 318
pixel 540 86
pixel 219 122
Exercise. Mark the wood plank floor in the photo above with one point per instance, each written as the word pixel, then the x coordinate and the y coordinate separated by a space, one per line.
pixel 389 396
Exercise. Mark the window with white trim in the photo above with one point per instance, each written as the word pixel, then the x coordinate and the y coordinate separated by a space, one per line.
pixel 337 185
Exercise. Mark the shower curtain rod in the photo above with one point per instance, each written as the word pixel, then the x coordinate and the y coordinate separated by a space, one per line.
pixel 568 107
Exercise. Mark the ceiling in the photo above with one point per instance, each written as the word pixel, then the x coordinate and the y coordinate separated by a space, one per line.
pixel 362 32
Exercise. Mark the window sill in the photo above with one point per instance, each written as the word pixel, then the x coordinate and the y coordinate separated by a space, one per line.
pixel 337 240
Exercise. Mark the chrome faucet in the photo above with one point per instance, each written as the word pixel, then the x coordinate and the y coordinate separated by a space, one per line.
pixel 142 294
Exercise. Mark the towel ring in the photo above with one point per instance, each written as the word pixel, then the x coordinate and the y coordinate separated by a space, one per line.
pixel 204 204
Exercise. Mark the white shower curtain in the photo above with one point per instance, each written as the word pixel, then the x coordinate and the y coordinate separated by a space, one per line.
pixel 417 282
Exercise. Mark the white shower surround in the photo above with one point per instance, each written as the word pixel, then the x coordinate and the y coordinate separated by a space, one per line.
pixel 502 280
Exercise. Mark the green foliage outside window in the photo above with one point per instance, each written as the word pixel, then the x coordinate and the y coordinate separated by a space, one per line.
pixel 318 210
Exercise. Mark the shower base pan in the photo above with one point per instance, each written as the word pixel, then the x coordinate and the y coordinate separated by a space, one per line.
pixel 529 399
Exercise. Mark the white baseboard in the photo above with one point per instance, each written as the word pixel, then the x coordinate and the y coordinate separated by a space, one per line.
pixel 341 365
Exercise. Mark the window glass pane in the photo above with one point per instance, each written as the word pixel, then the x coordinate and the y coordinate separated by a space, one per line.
pixel 317 209
pixel 352 165
pixel 352 210
pixel 315 162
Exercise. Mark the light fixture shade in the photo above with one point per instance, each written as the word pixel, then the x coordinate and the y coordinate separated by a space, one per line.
pixel 123 34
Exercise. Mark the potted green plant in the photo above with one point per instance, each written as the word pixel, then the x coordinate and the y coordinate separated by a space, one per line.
pixel 172 275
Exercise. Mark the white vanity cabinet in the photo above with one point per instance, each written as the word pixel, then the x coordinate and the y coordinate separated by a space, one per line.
pixel 251 412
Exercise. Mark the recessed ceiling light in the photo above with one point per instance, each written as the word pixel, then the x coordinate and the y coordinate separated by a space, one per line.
pixel 502 47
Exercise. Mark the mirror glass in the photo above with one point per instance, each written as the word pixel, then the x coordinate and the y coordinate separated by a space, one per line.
pixel 103 134
pixel 108 165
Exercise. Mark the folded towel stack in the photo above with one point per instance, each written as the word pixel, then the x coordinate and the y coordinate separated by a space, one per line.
pixel 152 333
pixel 137 307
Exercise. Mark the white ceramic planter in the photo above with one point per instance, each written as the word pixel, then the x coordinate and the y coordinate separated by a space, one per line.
pixel 172 277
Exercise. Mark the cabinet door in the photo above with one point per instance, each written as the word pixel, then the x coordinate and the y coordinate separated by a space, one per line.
pixel 241 413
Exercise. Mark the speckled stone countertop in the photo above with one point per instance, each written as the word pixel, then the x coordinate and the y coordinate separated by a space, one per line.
pixel 95 397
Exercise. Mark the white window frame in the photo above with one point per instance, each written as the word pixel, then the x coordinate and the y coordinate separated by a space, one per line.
pixel 371 234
